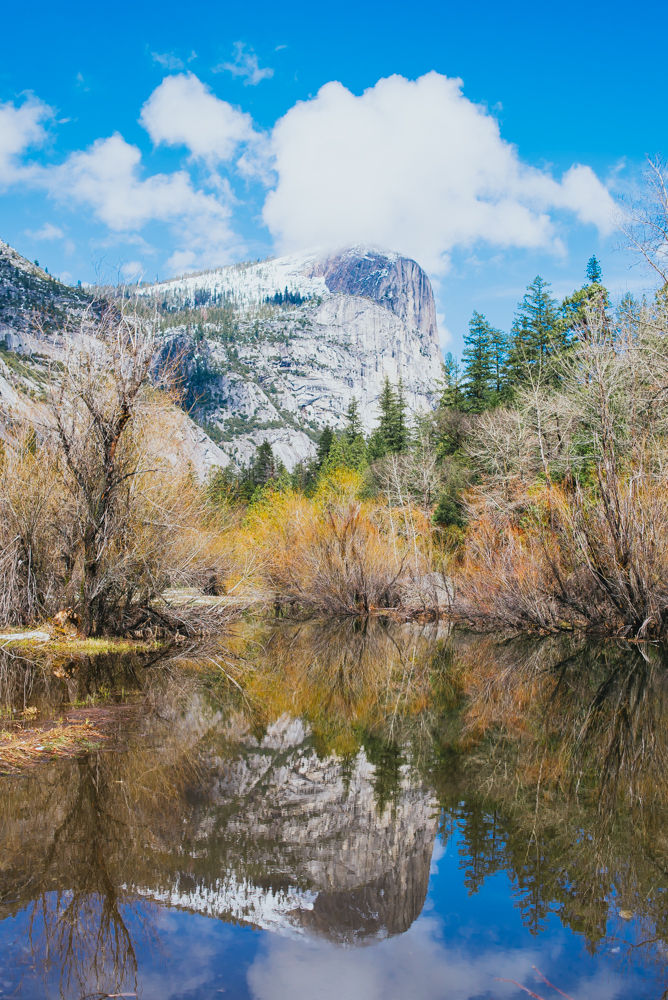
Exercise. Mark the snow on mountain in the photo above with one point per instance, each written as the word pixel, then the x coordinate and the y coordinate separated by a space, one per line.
pixel 283 345
pixel 246 284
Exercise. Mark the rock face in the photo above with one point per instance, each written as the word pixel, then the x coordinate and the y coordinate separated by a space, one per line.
pixel 283 345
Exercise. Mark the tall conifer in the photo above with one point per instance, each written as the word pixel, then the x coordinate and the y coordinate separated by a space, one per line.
pixel 477 363
pixel 353 420
pixel 537 333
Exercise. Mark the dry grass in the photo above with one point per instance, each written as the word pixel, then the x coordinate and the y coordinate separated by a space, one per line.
pixel 22 749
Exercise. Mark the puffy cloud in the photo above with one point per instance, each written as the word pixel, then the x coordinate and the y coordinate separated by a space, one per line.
pixel 246 65
pixel 20 128
pixel 417 167
pixel 183 111
pixel 106 177
pixel 412 166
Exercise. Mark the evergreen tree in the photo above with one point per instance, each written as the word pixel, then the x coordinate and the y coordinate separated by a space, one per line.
pixel 477 360
pixel 387 404
pixel 499 363
pixel 452 393
pixel 537 332
pixel 399 438
pixel 377 445
pixel 594 274
pixel 392 431
pixel 347 454
pixel 353 421
pixel 574 307
pixel 264 464
pixel 324 445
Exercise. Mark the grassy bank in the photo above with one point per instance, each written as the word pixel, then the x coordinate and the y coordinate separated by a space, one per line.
pixel 27 747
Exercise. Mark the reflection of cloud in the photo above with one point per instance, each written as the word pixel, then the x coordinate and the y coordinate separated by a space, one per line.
pixel 415 966
pixel 418 965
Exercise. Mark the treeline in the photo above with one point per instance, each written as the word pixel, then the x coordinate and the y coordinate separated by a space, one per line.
pixel 347 449
pixel 495 364
pixel 286 298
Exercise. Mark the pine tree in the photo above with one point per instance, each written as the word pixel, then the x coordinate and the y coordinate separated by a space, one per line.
pixel 324 445
pixel 391 435
pixel 477 363
pixel 353 421
pixel 594 274
pixel 574 307
pixel 400 430
pixel 499 363
pixel 537 332
pixel 264 464
pixel 387 404
pixel 376 446
pixel 452 393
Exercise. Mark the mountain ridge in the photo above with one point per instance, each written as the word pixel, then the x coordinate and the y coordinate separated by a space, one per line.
pixel 279 347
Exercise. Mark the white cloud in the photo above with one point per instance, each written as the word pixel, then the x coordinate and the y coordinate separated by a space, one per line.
pixel 107 178
pixel 412 166
pixel 412 966
pixel 132 271
pixel 20 128
pixel 417 167
pixel 245 64
pixel 47 232
pixel 168 60
pixel 183 111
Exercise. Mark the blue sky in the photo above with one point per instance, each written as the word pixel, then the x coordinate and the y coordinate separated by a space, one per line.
pixel 513 174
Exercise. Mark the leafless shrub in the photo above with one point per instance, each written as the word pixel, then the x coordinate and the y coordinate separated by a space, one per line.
pixel 336 553
pixel 643 221
pixel 584 546
pixel 30 530
pixel 92 515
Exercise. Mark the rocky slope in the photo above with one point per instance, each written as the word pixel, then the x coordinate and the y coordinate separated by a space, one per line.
pixel 277 349
pixel 35 310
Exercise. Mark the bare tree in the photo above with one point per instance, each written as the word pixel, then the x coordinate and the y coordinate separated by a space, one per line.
pixel 644 220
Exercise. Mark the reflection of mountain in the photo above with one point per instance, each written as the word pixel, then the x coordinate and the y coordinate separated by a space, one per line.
pixel 291 843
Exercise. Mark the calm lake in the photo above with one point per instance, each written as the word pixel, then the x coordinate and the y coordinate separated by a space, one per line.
pixel 344 810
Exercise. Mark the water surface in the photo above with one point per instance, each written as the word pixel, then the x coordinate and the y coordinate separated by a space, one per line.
pixel 326 811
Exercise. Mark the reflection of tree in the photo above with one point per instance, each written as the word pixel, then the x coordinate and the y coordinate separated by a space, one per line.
pixel 75 908
pixel 346 677
pixel 94 826
pixel 570 754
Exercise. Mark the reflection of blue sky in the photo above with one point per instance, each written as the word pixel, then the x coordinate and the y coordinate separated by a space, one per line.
pixel 455 950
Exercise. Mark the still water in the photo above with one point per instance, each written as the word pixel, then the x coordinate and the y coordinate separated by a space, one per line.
pixel 345 811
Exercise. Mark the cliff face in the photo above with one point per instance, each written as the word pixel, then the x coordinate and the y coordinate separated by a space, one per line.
pixel 35 311
pixel 283 345
pixel 395 282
